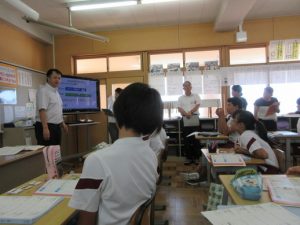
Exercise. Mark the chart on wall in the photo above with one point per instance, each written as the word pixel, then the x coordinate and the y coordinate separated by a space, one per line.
pixel 284 50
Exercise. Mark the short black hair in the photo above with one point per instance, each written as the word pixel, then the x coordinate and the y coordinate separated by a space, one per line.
pixel 237 88
pixel 298 101
pixel 51 71
pixel 235 101
pixel 269 90
pixel 139 108
pixel 118 90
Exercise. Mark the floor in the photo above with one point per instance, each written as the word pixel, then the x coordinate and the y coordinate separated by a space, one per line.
pixel 183 202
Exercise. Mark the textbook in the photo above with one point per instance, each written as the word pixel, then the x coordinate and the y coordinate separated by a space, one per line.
pixel 13 150
pixel 204 134
pixel 284 190
pixel 58 187
pixel 227 160
pixel 25 209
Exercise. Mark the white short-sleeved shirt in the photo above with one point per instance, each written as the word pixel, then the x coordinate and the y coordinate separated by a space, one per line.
pixel 251 141
pixel 48 98
pixel 188 102
pixel 157 143
pixel 116 181
pixel 233 136
pixel 110 106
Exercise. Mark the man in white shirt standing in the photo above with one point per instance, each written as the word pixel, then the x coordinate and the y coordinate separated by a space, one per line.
pixel 112 125
pixel 50 114
pixel 188 106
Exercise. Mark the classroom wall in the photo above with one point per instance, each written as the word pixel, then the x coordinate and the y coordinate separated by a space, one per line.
pixel 171 37
pixel 19 48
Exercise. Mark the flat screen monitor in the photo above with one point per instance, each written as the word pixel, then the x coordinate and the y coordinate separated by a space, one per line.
pixel 79 94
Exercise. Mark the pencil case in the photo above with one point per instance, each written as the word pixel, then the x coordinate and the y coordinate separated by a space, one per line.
pixel 248 184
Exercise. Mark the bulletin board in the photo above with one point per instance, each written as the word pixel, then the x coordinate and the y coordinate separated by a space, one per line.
pixel 18 88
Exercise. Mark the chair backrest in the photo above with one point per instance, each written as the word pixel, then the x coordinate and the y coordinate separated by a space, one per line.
pixel 144 215
pixel 280 155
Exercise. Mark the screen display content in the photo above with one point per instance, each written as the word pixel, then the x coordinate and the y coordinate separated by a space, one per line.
pixel 79 94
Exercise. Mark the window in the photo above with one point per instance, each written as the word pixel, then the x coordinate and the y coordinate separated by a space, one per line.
pixel 202 56
pixel 95 65
pixel 247 55
pixel 124 63
pixel 166 59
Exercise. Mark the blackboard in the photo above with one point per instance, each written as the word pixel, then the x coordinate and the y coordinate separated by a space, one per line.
pixel 23 80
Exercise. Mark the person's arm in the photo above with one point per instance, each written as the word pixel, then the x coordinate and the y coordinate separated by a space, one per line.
pixel 195 109
pixel 65 127
pixel 44 121
pixel 87 218
pixel 222 124
pixel 182 112
pixel 293 170
pixel 260 153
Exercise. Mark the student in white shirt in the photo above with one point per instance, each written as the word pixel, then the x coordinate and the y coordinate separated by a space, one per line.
pixel 251 142
pixel 120 178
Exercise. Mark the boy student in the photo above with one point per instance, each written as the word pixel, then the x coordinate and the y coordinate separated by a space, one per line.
pixel 266 108
pixel 120 178
pixel 50 114
pixel 236 91
pixel 225 122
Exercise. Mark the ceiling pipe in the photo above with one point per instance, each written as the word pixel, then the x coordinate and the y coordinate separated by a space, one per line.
pixel 33 17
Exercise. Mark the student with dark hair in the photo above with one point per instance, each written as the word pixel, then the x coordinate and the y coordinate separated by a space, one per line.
pixel 118 179
pixel 266 108
pixel 295 170
pixel 298 106
pixel 253 140
pixel 225 122
pixel 236 91
pixel 112 126
pixel 50 116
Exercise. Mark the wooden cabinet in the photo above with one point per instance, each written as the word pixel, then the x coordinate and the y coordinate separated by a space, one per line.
pixel 19 136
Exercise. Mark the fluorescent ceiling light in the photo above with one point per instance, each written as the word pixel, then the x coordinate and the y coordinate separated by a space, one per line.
pixel 102 5
pixel 155 1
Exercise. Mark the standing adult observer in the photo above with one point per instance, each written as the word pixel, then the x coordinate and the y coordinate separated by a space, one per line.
pixel 188 106
pixel 50 115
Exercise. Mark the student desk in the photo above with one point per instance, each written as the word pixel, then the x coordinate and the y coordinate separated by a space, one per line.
pixel 58 215
pixel 19 168
pixel 206 159
pixel 207 139
pixel 287 138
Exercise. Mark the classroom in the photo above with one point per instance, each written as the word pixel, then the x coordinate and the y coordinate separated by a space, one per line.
pixel 227 74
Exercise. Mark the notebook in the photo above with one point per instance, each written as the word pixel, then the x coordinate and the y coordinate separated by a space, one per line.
pixel 227 160
pixel 25 209
pixel 58 187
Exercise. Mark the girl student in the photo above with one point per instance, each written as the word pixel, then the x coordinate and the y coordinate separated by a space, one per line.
pixel 253 140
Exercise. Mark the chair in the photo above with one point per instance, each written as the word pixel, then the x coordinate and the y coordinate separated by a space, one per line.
pixel 280 155
pixel 144 214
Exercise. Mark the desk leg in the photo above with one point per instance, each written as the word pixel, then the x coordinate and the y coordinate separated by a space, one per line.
pixel 288 154
pixel 225 197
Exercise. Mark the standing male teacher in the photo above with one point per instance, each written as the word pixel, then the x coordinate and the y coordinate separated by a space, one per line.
pixel 50 116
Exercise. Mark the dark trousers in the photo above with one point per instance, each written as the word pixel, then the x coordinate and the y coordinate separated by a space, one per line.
pixel 55 134
pixel 271 125
pixel 113 131
pixel 192 146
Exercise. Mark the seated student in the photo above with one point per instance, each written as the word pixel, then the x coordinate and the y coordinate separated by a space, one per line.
pixel 224 123
pixel 120 178
pixel 253 140
pixel 236 91
pixel 158 141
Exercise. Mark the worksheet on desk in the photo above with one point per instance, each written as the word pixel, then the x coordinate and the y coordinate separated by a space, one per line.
pixel 227 160
pixel 59 187
pixel 284 190
pixel 261 214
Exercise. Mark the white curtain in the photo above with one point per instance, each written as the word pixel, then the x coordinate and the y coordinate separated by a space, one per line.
pixel 157 82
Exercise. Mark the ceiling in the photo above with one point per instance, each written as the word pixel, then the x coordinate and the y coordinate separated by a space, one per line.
pixel 225 14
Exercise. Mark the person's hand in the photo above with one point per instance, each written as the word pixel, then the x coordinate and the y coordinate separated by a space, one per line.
pixel 293 170
pixel 65 127
pixel 46 133
pixel 220 112
pixel 188 114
